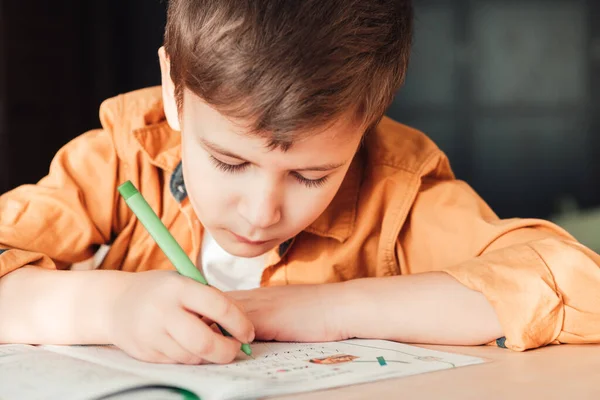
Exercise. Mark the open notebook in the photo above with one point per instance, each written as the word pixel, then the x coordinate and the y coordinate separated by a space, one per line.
pixel 93 372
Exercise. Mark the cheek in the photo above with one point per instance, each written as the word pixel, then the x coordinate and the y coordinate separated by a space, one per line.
pixel 207 188
pixel 306 205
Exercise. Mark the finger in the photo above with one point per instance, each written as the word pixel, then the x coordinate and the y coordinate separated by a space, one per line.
pixel 159 358
pixel 199 339
pixel 211 303
pixel 151 356
pixel 170 347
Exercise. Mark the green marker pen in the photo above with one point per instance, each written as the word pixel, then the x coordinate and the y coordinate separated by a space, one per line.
pixel 164 239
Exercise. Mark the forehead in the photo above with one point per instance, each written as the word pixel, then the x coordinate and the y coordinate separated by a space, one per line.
pixel 201 120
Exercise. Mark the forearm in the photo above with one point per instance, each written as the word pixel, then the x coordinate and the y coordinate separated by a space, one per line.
pixel 423 308
pixel 39 306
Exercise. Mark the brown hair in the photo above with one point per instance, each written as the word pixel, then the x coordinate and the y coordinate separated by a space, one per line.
pixel 290 66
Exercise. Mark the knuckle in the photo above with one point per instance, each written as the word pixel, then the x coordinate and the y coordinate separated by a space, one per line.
pixel 230 356
pixel 193 360
pixel 206 346
pixel 185 358
pixel 223 307
pixel 151 357
pixel 135 350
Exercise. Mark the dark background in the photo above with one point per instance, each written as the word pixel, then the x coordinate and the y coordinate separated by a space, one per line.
pixel 510 90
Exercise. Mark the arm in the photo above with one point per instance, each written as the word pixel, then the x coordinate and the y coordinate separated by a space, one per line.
pixel 423 308
pixel 541 283
pixel 57 307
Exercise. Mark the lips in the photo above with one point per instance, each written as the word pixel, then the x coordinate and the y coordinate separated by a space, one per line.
pixel 245 240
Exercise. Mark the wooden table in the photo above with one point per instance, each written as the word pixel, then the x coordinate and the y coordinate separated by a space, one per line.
pixel 570 372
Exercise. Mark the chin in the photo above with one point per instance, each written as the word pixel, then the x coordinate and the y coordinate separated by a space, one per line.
pixel 246 250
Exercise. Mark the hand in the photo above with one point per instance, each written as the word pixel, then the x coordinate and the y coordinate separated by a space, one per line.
pixel 164 317
pixel 302 313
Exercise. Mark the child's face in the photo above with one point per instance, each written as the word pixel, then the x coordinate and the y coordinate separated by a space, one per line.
pixel 252 198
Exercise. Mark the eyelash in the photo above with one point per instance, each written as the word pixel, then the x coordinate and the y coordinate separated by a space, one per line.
pixel 232 169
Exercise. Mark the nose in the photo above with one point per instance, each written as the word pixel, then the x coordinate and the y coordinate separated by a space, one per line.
pixel 261 208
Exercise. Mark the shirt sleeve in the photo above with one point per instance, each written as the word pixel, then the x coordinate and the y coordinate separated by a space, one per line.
pixel 63 218
pixel 543 284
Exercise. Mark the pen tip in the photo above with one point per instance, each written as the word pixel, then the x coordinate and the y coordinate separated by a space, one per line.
pixel 246 349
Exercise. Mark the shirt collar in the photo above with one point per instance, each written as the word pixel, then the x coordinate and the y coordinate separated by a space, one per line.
pixel 157 140
pixel 161 144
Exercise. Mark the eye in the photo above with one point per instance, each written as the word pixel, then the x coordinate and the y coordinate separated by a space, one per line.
pixel 231 168
pixel 310 183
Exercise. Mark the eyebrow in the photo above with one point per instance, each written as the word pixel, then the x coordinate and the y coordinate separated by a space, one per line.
pixel 218 149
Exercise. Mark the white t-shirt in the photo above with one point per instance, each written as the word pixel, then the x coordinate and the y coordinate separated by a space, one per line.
pixel 227 272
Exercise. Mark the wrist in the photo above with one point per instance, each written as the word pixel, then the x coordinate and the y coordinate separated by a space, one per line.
pixel 102 291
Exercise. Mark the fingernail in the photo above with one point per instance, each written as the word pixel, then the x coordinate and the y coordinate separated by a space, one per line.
pixel 251 337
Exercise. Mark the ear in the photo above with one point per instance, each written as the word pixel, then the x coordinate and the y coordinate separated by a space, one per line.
pixel 168 90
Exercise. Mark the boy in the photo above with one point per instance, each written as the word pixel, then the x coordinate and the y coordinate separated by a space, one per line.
pixel 266 155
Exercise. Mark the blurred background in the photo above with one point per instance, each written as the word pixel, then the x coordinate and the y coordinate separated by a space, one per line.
pixel 510 90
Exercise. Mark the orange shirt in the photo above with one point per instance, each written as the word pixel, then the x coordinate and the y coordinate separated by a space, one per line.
pixel 399 211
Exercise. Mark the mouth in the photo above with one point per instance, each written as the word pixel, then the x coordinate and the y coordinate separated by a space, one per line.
pixel 245 240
